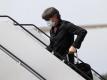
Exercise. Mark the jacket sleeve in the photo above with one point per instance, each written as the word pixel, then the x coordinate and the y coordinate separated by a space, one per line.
pixel 50 47
pixel 80 32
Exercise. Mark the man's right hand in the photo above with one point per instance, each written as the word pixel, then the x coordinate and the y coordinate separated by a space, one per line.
pixel 72 50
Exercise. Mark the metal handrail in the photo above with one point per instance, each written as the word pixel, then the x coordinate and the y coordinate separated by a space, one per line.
pixel 22 63
pixel 35 27
pixel 21 25
pixel 49 37
pixel 23 28
pixel 59 55
pixel 35 73
pixel 92 69
pixel 35 38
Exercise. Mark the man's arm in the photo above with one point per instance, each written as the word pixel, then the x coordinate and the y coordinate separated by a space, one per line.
pixel 50 47
pixel 80 32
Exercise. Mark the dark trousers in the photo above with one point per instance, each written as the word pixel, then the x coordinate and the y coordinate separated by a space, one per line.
pixel 65 56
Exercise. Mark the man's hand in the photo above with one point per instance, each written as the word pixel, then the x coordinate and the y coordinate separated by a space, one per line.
pixel 72 49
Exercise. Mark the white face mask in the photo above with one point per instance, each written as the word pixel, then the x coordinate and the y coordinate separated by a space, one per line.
pixel 50 23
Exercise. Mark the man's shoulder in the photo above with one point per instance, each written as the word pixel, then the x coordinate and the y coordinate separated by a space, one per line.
pixel 67 22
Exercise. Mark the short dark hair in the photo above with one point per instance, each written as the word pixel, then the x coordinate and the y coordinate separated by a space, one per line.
pixel 49 12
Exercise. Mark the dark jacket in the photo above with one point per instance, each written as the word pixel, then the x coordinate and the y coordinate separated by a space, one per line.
pixel 63 38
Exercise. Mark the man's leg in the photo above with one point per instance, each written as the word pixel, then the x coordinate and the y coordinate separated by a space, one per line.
pixel 66 57
pixel 71 58
pixel 58 56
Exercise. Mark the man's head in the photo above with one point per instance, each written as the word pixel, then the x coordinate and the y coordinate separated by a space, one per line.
pixel 51 15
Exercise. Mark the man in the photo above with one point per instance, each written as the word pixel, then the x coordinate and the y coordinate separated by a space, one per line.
pixel 62 35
